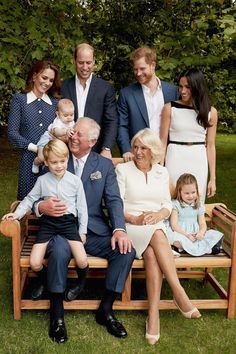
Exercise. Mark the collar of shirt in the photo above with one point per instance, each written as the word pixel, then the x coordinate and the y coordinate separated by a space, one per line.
pixel 147 89
pixel 82 160
pixel 31 97
pixel 88 82
pixel 186 205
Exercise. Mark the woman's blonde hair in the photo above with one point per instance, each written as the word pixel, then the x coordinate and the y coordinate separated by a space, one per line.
pixel 56 146
pixel 151 140
pixel 184 179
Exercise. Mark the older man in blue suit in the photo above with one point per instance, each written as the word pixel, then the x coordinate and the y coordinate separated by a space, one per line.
pixel 107 240
pixel 140 104
pixel 92 97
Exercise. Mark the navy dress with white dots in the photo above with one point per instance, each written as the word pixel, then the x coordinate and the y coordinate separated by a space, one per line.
pixel 26 124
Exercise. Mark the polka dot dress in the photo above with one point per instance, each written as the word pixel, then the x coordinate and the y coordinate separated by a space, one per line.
pixel 26 124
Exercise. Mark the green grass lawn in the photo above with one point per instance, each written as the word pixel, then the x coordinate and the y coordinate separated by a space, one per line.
pixel 211 334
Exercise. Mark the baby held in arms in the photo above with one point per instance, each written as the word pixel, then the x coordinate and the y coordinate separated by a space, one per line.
pixel 61 128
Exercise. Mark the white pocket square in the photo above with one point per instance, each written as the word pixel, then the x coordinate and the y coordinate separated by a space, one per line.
pixel 96 175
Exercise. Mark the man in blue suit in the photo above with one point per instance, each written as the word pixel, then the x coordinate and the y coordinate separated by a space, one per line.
pixel 92 97
pixel 103 239
pixel 140 104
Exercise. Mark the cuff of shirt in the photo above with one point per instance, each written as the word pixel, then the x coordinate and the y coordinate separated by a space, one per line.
pixel 36 210
pixel 118 229
pixel 32 147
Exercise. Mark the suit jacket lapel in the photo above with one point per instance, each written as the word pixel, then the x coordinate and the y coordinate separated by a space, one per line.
pixel 70 166
pixel 73 96
pixel 91 95
pixel 170 93
pixel 139 98
pixel 89 166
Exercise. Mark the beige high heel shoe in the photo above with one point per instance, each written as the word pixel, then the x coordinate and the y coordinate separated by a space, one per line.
pixel 188 314
pixel 151 338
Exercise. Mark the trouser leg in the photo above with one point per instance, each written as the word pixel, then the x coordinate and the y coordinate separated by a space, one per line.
pixel 119 265
pixel 56 306
pixel 59 255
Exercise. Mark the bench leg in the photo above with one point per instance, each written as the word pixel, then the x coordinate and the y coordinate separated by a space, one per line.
pixel 232 294
pixel 16 276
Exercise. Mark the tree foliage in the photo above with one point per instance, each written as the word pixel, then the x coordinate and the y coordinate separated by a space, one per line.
pixel 186 33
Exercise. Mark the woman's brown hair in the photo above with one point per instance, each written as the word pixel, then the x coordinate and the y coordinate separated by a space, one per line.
pixel 37 68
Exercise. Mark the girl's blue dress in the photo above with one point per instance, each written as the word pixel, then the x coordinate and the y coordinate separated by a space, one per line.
pixel 188 221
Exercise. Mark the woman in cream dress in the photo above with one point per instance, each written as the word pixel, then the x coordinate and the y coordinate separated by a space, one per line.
pixel 189 128
pixel 144 187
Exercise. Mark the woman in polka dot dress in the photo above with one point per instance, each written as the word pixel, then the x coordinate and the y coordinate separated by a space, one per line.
pixel 30 114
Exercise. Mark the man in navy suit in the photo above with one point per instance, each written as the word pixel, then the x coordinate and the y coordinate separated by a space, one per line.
pixel 103 239
pixel 92 97
pixel 140 104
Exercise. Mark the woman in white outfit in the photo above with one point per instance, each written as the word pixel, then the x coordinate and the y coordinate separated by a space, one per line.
pixel 144 188
pixel 188 126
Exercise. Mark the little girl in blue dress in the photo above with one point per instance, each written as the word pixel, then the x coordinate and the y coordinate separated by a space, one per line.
pixel 188 230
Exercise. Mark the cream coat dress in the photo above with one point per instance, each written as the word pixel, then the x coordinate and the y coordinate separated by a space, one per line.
pixel 140 194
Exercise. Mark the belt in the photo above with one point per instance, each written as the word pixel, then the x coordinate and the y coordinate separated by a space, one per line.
pixel 189 143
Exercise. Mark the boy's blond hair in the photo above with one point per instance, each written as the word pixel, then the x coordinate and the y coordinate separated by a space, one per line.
pixel 56 146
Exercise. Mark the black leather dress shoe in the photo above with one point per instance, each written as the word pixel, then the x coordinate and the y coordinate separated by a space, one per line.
pixel 113 326
pixel 57 331
pixel 72 293
pixel 37 292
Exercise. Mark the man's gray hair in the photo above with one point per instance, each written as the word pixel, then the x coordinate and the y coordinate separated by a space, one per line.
pixel 94 127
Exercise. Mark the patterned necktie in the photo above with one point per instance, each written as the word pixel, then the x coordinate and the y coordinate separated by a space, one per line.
pixel 78 167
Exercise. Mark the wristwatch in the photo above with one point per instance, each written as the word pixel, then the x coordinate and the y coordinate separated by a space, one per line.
pixel 106 148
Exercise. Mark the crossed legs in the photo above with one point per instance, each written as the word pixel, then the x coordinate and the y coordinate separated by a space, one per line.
pixel 154 279
pixel 159 261
pixel 166 263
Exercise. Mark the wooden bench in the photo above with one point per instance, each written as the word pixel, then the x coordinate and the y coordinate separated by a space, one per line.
pixel 23 235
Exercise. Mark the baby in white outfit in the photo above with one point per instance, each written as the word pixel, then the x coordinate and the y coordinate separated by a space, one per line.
pixel 62 126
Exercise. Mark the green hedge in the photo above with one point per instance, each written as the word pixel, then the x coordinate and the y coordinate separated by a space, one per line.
pixel 184 33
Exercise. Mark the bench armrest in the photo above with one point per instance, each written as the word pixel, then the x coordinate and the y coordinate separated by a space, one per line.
pixel 10 228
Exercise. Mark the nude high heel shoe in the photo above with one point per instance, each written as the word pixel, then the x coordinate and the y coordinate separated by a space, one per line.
pixel 188 314
pixel 151 338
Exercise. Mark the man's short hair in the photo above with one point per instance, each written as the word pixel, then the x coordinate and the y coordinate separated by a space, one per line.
pixel 83 46
pixel 144 52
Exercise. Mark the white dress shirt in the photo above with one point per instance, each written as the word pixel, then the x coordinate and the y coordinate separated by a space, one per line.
pixel 79 164
pixel 154 104
pixel 81 94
